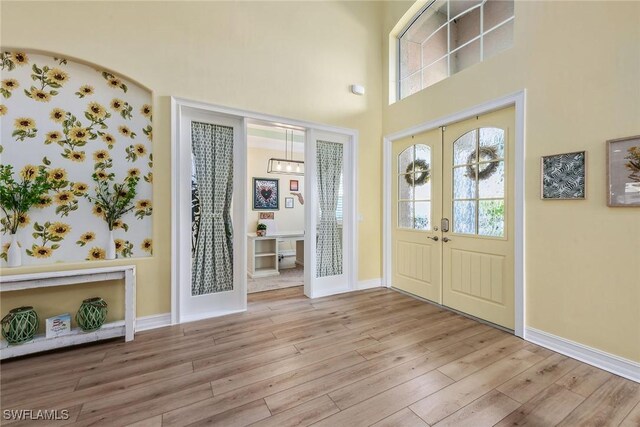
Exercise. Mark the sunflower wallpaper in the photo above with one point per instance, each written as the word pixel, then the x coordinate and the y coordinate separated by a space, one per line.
pixel 75 120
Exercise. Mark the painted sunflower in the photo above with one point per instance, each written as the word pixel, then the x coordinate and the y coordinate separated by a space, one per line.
pixel 3 110
pixel 98 211
pixel 64 197
pixel 23 220
pixel 147 245
pixel 39 95
pixel 77 156
pixel 146 110
pixel 53 136
pixel 101 155
pixel 10 84
pixel 78 133
pixel 57 115
pixel 117 104
pixel 118 224
pixel 41 251
pixel 58 76
pixel 143 204
pixel 108 139
pixel 80 187
pixel 25 124
pixel 140 149
pixel 133 172
pixel 114 82
pixel 57 174
pixel 119 243
pixel 20 58
pixel 87 237
pixel 43 202
pixel 86 90
pixel 96 110
pixel 96 254
pixel 102 175
pixel 59 229
pixel 124 131
pixel 29 172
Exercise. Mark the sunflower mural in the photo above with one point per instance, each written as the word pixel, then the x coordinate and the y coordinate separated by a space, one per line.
pixel 74 120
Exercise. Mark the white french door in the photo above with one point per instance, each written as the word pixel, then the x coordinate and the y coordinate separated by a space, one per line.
pixel 330 213
pixel 208 283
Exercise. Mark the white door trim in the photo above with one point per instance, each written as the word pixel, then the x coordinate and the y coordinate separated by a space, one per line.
pixel 177 104
pixel 518 99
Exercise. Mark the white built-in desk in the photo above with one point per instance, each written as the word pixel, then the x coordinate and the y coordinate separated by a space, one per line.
pixel 262 252
pixel 124 328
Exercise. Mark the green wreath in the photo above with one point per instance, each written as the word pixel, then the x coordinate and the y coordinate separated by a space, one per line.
pixel 489 153
pixel 422 172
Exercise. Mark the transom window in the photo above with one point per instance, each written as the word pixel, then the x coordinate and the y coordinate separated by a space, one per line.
pixel 478 183
pixel 414 188
pixel 448 36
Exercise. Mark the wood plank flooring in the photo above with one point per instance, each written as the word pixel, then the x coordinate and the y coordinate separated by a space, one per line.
pixel 373 357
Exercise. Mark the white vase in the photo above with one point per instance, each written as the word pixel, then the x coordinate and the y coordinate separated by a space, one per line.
pixel 111 247
pixel 14 254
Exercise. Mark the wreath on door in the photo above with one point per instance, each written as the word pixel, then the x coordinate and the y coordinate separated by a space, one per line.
pixel 485 154
pixel 418 173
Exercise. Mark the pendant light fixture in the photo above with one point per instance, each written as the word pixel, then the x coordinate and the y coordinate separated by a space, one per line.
pixel 286 165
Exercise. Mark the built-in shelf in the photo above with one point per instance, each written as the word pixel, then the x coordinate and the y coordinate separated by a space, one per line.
pixel 75 337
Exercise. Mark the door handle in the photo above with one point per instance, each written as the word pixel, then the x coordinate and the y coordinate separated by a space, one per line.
pixel 446 239
pixel 434 238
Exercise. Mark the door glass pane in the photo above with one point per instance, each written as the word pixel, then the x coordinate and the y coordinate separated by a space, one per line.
pixel 464 184
pixel 492 143
pixel 464 148
pixel 405 159
pixel 464 217
pixel 405 214
pixel 491 183
pixel 423 152
pixel 491 218
pixel 423 216
pixel 405 190
pixel 422 191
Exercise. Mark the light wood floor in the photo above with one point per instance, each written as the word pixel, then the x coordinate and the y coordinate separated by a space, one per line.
pixel 373 357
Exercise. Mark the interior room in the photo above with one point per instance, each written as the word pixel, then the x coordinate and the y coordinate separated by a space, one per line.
pixel 276 223
pixel 327 213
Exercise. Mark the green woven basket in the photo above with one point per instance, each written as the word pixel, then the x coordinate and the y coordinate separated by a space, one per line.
pixel 20 325
pixel 91 314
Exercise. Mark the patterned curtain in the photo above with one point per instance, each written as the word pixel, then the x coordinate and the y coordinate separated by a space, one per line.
pixel 212 261
pixel 329 243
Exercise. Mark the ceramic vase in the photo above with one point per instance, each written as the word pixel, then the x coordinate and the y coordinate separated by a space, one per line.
pixel 111 247
pixel 14 254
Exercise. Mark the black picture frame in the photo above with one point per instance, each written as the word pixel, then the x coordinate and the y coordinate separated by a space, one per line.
pixel 266 194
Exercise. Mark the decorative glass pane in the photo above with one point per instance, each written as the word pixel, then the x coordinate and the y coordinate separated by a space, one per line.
pixel 491 218
pixel 459 6
pixel 495 12
pixel 423 152
pixel 498 40
pixel 491 143
pixel 491 183
pixel 405 191
pixel 464 183
pixel 405 214
pixel 409 57
pixel 464 28
pixel 410 85
pixel 465 57
pixel 436 72
pixel 422 191
pixel 423 216
pixel 435 47
pixel 464 217
pixel 464 148
pixel 405 159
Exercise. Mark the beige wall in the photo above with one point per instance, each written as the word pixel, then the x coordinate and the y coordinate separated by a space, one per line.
pixel 579 62
pixel 293 59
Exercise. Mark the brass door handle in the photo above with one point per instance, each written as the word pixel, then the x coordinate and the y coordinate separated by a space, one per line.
pixel 434 238
pixel 446 239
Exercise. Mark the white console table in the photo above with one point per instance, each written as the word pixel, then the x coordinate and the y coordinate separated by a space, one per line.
pixel 262 256
pixel 124 328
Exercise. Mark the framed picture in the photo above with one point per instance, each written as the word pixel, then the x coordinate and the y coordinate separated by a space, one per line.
pixel 265 194
pixel 564 176
pixel 288 202
pixel 293 185
pixel 267 215
pixel 623 171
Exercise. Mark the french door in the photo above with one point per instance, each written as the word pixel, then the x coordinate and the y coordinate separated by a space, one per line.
pixel 453 216
pixel 211 210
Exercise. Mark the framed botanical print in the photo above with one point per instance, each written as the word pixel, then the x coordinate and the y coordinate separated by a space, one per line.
pixel 623 172
pixel 564 176
pixel 265 194
pixel 288 202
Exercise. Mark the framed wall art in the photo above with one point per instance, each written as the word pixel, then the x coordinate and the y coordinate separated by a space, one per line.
pixel 288 202
pixel 564 176
pixel 623 172
pixel 293 185
pixel 266 194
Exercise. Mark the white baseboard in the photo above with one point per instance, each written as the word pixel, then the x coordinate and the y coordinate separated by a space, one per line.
pixel 609 362
pixel 154 321
pixel 368 284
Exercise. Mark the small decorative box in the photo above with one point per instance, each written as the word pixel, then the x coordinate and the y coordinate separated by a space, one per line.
pixel 58 325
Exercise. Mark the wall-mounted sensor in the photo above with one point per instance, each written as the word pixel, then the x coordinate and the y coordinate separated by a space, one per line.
pixel 357 89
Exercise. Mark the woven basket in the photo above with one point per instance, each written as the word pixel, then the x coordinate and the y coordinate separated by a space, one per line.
pixel 91 314
pixel 20 325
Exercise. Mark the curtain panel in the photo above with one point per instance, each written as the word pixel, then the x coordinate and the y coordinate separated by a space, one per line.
pixel 212 260
pixel 329 242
